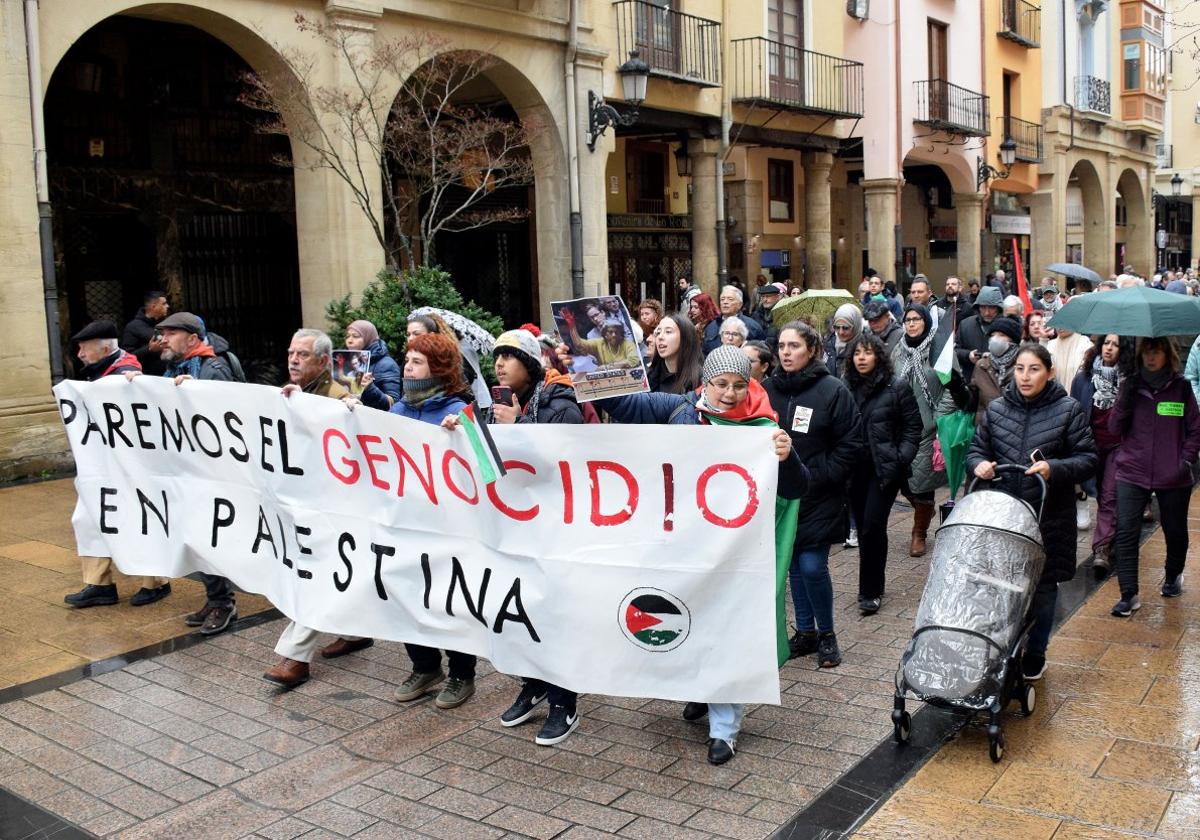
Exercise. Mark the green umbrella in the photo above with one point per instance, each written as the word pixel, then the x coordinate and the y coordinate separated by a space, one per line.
pixel 815 306
pixel 955 432
pixel 1137 311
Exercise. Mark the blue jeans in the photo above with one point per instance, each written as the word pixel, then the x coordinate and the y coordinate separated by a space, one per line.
pixel 812 588
pixel 1045 599
pixel 724 721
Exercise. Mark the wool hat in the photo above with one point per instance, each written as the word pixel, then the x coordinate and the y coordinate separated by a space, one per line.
pixel 875 309
pixel 185 321
pixel 989 296
pixel 773 289
pixel 725 359
pixel 1010 327
pixel 519 343
pixel 96 329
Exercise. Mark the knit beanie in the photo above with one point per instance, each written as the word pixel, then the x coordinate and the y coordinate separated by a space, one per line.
pixel 367 330
pixel 522 344
pixel 725 359
pixel 1010 327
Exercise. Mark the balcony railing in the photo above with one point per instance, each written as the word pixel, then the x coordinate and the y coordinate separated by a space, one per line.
pixel 951 108
pixel 1027 136
pixel 1020 22
pixel 1165 154
pixel 797 79
pixel 1093 94
pixel 675 45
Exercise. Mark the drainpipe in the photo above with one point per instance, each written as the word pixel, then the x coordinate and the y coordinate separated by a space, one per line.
pixel 573 152
pixel 42 184
pixel 722 255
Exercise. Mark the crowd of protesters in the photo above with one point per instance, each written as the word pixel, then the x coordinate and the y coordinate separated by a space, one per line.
pixel 855 404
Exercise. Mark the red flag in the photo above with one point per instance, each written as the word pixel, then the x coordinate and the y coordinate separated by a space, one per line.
pixel 1022 287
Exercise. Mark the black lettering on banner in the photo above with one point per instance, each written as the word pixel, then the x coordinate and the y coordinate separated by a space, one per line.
pixel 140 422
pixel 178 435
pixel 264 533
pixel 221 520
pixel 514 597
pixel 287 561
pixel 264 425
pixel 197 419
pixel 161 515
pixel 230 420
pixel 459 581
pixel 92 426
pixel 62 409
pixel 114 418
pixel 428 575
pixel 105 509
pixel 344 540
pixel 288 469
pixel 380 552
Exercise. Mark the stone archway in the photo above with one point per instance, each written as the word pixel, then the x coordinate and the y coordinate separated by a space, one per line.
pixel 941 189
pixel 1097 221
pixel 1138 231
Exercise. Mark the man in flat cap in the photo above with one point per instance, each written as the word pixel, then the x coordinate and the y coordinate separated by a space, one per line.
pixel 102 357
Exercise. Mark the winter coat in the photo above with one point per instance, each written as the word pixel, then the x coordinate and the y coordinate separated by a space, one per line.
pixel 1083 391
pixel 818 413
pixel 712 332
pixel 960 308
pixel 324 386
pixel 986 383
pixel 891 424
pixel 136 339
pixel 835 360
pixel 113 364
pixel 550 401
pixel 1191 371
pixel 433 410
pixel 1012 429
pixel 388 378
pixel 1160 433
pixel 972 335
pixel 942 401
pixel 891 335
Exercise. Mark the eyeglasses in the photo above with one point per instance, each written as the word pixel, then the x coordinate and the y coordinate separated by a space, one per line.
pixel 731 334
pixel 917 320
pixel 842 328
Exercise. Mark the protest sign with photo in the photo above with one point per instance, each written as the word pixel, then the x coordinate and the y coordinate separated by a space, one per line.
pixel 349 367
pixel 635 565
pixel 605 360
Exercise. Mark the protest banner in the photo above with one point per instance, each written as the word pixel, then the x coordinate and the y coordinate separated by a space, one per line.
pixel 605 359
pixel 636 562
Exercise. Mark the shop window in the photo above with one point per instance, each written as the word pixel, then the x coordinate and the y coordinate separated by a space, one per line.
pixel 781 190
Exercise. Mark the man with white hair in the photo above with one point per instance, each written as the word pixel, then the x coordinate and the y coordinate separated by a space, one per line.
pixel 1002 281
pixel 102 357
pixel 1014 307
pixel 730 304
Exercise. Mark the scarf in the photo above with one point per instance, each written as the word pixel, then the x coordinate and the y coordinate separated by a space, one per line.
pixel 1158 378
pixel 190 364
pixel 1106 381
pixel 915 360
pixel 417 392
pixel 755 410
pixel 1002 364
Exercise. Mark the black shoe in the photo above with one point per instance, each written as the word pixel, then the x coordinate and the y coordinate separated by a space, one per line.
pixel 869 606
pixel 803 643
pixel 93 595
pixel 523 707
pixel 219 620
pixel 198 618
pixel 559 724
pixel 719 751
pixel 692 712
pixel 1173 587
pixel 1033 666
pixel 828 653
pixel 146 596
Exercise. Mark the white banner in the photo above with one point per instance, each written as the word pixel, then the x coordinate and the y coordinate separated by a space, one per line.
pixel 635 561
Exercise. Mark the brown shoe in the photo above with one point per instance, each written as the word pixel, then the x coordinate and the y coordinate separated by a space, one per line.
pixel 922 516
pixel 289 673
pixel 341 647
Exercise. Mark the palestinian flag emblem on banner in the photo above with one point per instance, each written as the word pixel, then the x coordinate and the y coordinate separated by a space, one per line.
pixel 654 620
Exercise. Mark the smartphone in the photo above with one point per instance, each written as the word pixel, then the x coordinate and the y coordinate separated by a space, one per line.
pixel 1035 456
pixel 502 394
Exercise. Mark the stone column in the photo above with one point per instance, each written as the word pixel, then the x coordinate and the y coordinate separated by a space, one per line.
pixel 882 195
pixel 704 214
pixel 968 209
pixel 817 210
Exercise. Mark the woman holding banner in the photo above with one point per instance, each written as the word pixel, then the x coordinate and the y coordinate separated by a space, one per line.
pixel 728 397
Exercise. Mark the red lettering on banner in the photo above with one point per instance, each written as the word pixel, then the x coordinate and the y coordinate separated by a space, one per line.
pixel 702 493
pixel 512 513
pixel 451 455
pixel 564 470
pixel 354 471
pixel 426 478
pixel 668 497
pixel 371 458
pixel 631 488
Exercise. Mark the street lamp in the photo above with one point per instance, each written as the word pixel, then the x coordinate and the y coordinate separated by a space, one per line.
pixel 634 74
pixel 683 161
pixel 985 172
pixel 1176 184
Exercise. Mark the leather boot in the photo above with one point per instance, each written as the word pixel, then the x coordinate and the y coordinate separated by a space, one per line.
pixel 289 673
pixel 922 516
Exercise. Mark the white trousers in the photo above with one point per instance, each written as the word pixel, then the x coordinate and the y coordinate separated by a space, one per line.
pixel 300 643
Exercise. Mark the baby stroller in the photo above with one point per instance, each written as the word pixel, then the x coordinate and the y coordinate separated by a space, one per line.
pixel 974 617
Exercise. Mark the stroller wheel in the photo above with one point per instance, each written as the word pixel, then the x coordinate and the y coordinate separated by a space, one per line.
pixel 996 748
pixel 1028 700
pixel 902 728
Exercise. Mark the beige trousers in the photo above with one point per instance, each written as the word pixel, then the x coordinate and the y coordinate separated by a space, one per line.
pixel 98 571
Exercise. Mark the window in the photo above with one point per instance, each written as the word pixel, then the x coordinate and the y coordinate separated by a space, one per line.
pixel 938 34
pixel 781 190
pixel 1131 76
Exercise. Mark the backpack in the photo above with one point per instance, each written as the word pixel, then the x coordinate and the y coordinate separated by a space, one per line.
pixel 235 365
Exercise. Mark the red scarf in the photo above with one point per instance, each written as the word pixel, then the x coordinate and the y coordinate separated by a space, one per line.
pixel 756 407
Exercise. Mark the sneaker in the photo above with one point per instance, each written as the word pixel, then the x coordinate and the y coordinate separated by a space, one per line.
pixel 1127 606
pixel 869 606
pixel 719 750
pixel 418 684
pixel 1173 587
pixel 1033 666
pixel 146 596
pixel 454 693
pixel 557 727
pixel 828 653
pixel 522 708
pixel 852 539
pixel 1083 516
pixel 1102 562
pixel 92 595
pixel 693 712
pixel 803 643
pixel 218 621
pixel 198 618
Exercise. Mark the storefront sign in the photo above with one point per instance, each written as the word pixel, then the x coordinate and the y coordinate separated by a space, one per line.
pixel 1011 225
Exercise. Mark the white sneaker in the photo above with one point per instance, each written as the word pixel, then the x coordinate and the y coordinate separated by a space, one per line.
pixel 852 539
pixel 1083 516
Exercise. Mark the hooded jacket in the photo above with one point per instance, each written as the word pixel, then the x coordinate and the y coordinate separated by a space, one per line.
pixel 892 427
pixel 550 401
pixel 1160 433
pixel 388 378
pixel 433 410
pixel 135 338
pixel 1012 429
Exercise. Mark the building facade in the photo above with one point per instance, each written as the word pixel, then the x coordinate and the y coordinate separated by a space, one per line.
pixel 1178 152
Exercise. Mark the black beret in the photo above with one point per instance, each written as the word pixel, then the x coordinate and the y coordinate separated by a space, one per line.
pixel 96 329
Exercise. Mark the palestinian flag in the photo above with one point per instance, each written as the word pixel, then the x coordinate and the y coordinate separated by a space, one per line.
pixel 487 456
pixel 944 365
pixel 655 621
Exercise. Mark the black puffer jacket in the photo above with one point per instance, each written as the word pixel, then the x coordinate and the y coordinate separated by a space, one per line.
pixel 818 413
pixel 892 427
pixel 1012 428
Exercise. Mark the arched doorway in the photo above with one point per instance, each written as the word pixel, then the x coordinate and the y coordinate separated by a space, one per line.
pixel 1135 242
pixel 159 180
pixel 1088 222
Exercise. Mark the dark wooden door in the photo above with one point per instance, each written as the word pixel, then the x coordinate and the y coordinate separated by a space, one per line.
pixel 785 33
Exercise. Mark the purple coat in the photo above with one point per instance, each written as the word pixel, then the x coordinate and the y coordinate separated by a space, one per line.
pixel 1160 434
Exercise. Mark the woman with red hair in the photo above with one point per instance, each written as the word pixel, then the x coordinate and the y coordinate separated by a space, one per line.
pixel 702 309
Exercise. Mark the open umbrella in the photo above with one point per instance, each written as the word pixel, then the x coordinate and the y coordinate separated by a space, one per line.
pixel 1076 271
pixel 1137 311
pixel 468 331
pixel 815 306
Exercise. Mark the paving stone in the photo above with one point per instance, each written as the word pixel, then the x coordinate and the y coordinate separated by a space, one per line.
pixel 655 806
pixel 214 771
pixel 527 822
pixel 731 825
pixel 460 802
pixel 645 828
pixel 299 782
pixel 140 801
pixel 286 829
pixel 403 784
pixel 533 799
pixel 94 779
pixel 404 812
pixel 602 817
pixel 170 751
pixel 222 814
pixel 109 822
pixel 463 778
pixel 451 827
pixel 336 818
